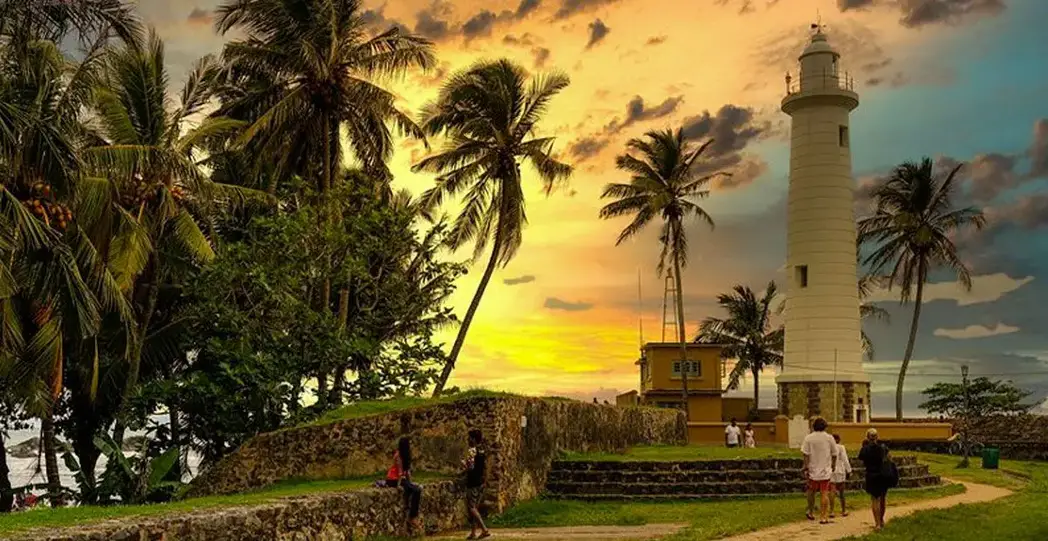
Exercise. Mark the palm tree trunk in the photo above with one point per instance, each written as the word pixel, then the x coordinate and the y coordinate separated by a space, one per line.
pixel 7 498
pixel 912 340
pixel 681 334
pixel 470 312
pixel 175 421
pixel 756 391
pixel 54 482
pixel 135 358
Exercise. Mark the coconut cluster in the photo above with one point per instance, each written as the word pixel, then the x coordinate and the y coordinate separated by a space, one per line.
pixel 42 204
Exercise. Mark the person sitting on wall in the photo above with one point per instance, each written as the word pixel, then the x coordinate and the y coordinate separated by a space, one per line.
pixel 399 475
pixel 731 434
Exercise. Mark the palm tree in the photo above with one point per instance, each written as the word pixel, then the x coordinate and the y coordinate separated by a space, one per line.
pixel 150 198
pixel 54 287
pixel 746 334
pixel 663 184
pixel 488 114
pixel 307 72
pixel 910 229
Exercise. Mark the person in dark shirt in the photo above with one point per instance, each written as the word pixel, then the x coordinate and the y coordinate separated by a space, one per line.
pixel 474 464
pixel 873 455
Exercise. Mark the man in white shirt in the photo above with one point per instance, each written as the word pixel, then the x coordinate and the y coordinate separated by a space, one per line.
pixel 820 460
pixel 732 434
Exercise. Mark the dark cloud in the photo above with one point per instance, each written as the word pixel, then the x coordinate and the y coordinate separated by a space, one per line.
pixel 541 56
pixel 845 5
pixel 917 13
pixel 526 279
pixel 637 111
pixel 200 16
pixel 587 147
pixel 527 39
pixel 745 6
pixel 991 174
pixel 376 20
pixel 553 303
pixel 656 40
pixel 597 32
pixel 571 7
pixel 526 7
pixel 731 129
pixel 479 25
pixel 431 22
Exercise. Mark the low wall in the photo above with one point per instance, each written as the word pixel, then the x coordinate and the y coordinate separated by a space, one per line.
pixel 344 516
pixel 523 436
pixel 855 433
pixel 713 433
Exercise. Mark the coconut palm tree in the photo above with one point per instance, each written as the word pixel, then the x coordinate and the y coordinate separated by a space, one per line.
pixel 54 287
pixel 488 114
pixel 147 204
pixel 910 231
pixel 663 184
pixel 306 74
pixel 747 334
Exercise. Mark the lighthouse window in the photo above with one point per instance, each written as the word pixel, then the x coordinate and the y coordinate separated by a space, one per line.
pixel 802 275
pixel 842 135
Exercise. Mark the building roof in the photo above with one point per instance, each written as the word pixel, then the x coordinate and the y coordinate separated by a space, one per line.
pixel 690 345
pixel 677 392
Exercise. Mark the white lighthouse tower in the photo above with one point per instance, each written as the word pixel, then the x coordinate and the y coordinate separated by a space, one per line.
pixel 822 372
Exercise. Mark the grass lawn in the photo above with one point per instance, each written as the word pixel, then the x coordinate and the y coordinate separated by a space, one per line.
pixel 366 408
pixel 707 519
pixel 686 452
pixel 43 517
pixel 1021 516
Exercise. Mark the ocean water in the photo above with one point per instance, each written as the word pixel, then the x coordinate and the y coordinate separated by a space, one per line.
pixel 25 471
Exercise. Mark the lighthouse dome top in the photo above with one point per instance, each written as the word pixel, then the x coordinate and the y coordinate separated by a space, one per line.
pixel 819 44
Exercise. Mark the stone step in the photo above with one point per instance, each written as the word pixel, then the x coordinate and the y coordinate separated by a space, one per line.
pixel 928 481
pixel 699 476
pixel 704 490
pixel 703 465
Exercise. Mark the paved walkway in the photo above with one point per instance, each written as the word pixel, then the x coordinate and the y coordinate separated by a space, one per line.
pixel 576 533
pixel 860 521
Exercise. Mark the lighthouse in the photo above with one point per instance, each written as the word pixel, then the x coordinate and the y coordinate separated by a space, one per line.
pixel 822 359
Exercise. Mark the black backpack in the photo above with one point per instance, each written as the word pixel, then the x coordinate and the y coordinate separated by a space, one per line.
pixel 889 470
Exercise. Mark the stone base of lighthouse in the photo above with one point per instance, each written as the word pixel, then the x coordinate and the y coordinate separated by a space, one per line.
pixel 816 399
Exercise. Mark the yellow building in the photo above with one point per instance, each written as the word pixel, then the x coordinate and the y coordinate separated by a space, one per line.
pixel 661 381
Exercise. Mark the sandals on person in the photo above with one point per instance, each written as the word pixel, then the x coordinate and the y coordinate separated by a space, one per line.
pixel 484 535
pixel 824 522
pixel 810 516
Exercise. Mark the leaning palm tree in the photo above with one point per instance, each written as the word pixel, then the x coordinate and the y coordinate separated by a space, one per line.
pixel 663 183
pixel 488 114
pixel 306 74
pixel 747 334
pixel 910 231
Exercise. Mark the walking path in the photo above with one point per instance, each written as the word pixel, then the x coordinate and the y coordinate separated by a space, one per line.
pixel 859 521
pixel 576 533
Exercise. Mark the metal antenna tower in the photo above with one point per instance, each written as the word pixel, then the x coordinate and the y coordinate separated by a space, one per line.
pixel 669 307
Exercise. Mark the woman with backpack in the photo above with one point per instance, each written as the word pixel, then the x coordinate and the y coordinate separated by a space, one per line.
pixel 881 474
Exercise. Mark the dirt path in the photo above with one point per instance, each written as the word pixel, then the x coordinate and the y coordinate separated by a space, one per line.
pixel 574 533
pixel 860 521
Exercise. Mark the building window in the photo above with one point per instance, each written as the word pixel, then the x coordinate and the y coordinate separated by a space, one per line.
pixel 842 136
pixel 694 369
pixel 802 275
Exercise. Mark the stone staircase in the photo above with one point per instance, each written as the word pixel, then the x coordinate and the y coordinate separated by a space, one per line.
pixel 600 480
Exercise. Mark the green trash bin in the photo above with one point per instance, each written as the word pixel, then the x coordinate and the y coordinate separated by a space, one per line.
pixel 991 458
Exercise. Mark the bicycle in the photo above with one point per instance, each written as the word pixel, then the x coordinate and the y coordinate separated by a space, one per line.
pixel 957 448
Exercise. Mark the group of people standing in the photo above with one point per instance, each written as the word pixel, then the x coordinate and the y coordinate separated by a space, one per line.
pixel 474 467
pixel 826 469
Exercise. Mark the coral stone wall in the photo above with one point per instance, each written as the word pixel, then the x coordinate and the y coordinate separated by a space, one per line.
pixel 811 399
pixel 344 516
pixel 523 436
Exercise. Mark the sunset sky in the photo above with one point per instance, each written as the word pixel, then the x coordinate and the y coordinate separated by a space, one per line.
pixel 957 80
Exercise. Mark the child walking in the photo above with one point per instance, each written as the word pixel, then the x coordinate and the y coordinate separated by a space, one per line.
pixel 840 477
pixel 474 464
pixel 749 439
